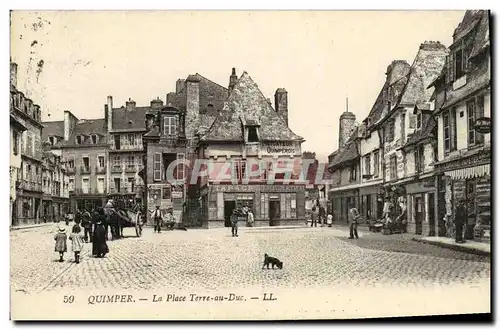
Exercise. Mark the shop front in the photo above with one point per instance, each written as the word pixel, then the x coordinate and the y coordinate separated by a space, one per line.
pixel 421 201
pixel 272 205
pixel 341 202
pixel 372 202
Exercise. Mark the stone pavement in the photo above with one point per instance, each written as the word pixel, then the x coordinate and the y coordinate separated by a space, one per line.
pixel 212 259
pixel 447 242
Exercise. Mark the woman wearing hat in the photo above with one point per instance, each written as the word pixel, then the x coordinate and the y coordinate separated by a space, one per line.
pixel 61 245
pixel 99 246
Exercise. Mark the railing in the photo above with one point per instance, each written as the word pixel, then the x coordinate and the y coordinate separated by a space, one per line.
pixel 30 185
pixel 100 170
pixel 85 170
pixel 116 169
pixel 131 169
pixel 70 170
pixel 90 191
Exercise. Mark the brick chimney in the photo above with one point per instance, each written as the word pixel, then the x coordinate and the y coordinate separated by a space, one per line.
pixel 281 103
pixel 233 78
pixel 156 104
pixel 110 113
pixel 192 106
pixel 179 85
pixel 130 104
pixel 69 124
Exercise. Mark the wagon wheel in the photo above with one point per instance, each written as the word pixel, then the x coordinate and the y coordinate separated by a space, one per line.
pixel 138 226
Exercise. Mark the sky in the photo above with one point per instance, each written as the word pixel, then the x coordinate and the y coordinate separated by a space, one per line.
pixel 72 60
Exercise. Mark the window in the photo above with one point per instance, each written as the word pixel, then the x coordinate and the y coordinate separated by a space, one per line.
pixel 15 143
pixel 376 165
pixel 367 164
pixel 353 173
pixel 157 167
pixel 170 125
pixel 389 137
pixel 413 121
pixel 86 164
pixel 393 168
pixel 117 163
pixel 130 162
pixel 94 139
pixel 459 67
pixel 100 161
pixel 71 184
pixel 450 130
pixel 131 140
pixel 131 184
pixel 100 185
pixel 446 131
pixel 180 166
pixel 117 142
pixel 403 123
pixel 79 139
pixel 471 118
pixel 117 182
pixel 240 169
pixel 419 120
pixel 52 140
pixel 419 159
pixel 71 163
pixel 166 192
pixel 85 186
pixel 252 134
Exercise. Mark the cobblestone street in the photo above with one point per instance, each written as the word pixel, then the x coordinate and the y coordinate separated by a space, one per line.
pixel 212 259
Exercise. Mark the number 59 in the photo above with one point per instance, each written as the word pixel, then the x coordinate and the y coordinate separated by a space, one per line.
pixel 68 299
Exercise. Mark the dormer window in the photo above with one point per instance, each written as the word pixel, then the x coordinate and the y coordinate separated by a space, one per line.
pixel 79 139
pixel 94 138
pixel 52 140
pixel 252 134
pixel 419 120
pixel 170 125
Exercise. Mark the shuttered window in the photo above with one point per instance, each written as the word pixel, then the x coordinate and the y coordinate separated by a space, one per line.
pixel 157 167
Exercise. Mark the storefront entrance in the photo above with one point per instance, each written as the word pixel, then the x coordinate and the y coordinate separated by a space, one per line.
pixel 229 206
pixel 274 213
pixel 419 214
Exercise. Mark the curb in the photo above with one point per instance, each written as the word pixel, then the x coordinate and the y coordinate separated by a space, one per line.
pixel 33 226
pixel 454 247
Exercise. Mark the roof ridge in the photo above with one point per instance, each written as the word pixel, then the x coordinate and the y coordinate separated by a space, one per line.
pixel 213 82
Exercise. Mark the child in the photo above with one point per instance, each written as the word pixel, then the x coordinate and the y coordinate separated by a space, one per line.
pixel 60 239
pixel 76 238
pixel 329 220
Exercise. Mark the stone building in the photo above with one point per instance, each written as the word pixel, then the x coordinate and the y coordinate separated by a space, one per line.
pixel 173 134
pixel 463 114
pixel 26 134
pixel 250 143
pixel 125 128
pixel 55 186
pixel 82 146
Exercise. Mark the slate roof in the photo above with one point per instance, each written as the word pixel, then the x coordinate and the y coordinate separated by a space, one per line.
pixel 52 128
pixel 247 102
pixel 133 119
pixel 348 153
pixel 86 127
pixel 426 67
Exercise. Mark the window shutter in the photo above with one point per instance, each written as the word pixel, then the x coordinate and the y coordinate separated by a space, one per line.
pixel 479 114
pixel 453 129
pixel 157 167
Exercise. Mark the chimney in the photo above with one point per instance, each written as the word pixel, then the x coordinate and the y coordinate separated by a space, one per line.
pixel 13 74
pixel 69 123
pixel 179 85
pixel 171 97
pixel 192 120
pixel 232 80
pixel 157 104
pixel 281 103
pixel 110 113
pixel 130 104
pixel 106 115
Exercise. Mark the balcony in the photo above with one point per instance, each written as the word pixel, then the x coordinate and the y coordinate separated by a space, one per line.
pixel 131 169
pixel 116 169
pixel 30 185
pixel 89 191
pixel 100 170
pixel 71 170
pixel 85 170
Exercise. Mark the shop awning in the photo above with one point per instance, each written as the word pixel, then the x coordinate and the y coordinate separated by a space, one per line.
pixel 470 172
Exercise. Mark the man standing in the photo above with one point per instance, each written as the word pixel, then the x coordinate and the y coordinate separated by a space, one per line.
pixel 353 222
pixel 234 223
pixel 109 209
pixel 157 219
pixel 87 226
pixel 460 221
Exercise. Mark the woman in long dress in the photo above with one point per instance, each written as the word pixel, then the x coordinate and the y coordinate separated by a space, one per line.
pixel 99 246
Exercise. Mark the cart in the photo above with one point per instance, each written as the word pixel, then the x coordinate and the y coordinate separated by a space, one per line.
pixel 131 218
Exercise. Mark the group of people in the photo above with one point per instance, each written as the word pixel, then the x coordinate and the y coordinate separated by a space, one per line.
pixel 159 220
pixel 241 213
pixel 319 215
pixel 93 230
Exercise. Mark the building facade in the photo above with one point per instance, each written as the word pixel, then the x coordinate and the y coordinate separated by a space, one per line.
pixel 26 134
pixel 55 187
pixel 464 149
pixel 250 151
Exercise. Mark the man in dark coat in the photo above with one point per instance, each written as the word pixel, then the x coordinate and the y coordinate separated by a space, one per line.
pixel 99 246
pixel 87 226
pixel 460 221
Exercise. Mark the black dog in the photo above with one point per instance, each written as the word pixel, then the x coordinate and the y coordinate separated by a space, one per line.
pixel 273 261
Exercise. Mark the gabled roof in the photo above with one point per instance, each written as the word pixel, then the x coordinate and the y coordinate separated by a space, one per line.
pixel 247 101
pixel 133 119
pixel 482 38
pixel 86 127
pixel 52 128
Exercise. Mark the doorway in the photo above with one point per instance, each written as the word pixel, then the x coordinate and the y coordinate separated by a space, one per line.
pixel 274 213
pixel 228 210
pixel 432 219
pixel 37 210
pixel 419 213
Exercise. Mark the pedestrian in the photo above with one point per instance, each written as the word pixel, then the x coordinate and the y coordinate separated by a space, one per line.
pixel 76 239
pixel 460 221
pixel 157 219
pixel 234 223
pixel 87 226
pixel 250 218
pixel 109 209
pixel 322 215
pixel 314 216
pixel 353 222
pixel 61 245
pixel 329 220
pixel 99 246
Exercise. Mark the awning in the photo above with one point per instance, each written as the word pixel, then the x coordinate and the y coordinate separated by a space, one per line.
pixel 470 172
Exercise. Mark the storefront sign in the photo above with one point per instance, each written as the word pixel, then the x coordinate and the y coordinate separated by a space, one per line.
pixel 279 148
pixel 459 190
pixel 479 159
pixel 253 188
pixel 176 194
pixel 483 125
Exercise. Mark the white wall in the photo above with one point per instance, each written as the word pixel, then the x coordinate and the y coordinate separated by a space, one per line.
pixel 461 127
pixel 440 134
